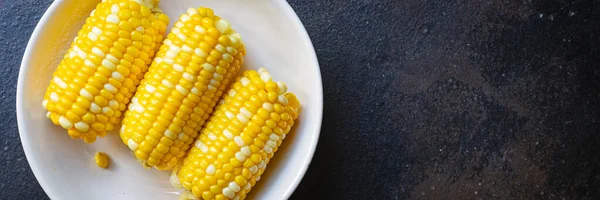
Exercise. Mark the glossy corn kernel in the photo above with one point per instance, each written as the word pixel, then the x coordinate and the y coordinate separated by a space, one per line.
pixel 191 71
pixel 240 138
pixel 101 159
pixel 99 73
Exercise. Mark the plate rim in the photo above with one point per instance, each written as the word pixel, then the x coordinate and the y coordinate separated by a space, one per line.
pixel 26 144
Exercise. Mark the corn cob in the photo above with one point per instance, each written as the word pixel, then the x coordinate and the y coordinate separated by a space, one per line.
pixel 190 73
pixel 96 78
pixel 239 139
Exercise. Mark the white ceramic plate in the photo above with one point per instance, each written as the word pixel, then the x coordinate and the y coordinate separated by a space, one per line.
pixel 275 39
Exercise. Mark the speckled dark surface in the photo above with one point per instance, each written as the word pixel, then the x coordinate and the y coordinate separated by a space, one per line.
pixel 496 99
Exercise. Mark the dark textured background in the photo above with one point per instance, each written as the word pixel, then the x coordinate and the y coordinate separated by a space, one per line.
pixel 424 99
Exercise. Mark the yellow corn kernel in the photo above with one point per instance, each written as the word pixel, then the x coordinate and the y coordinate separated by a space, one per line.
pixel 101 159
pixel 86 95
pixel 247 140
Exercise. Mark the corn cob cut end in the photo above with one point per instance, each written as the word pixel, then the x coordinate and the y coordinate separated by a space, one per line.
pixel 192 69
pixel 240 138
pixel 187 195
pixel 151 4
pixel 97 76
